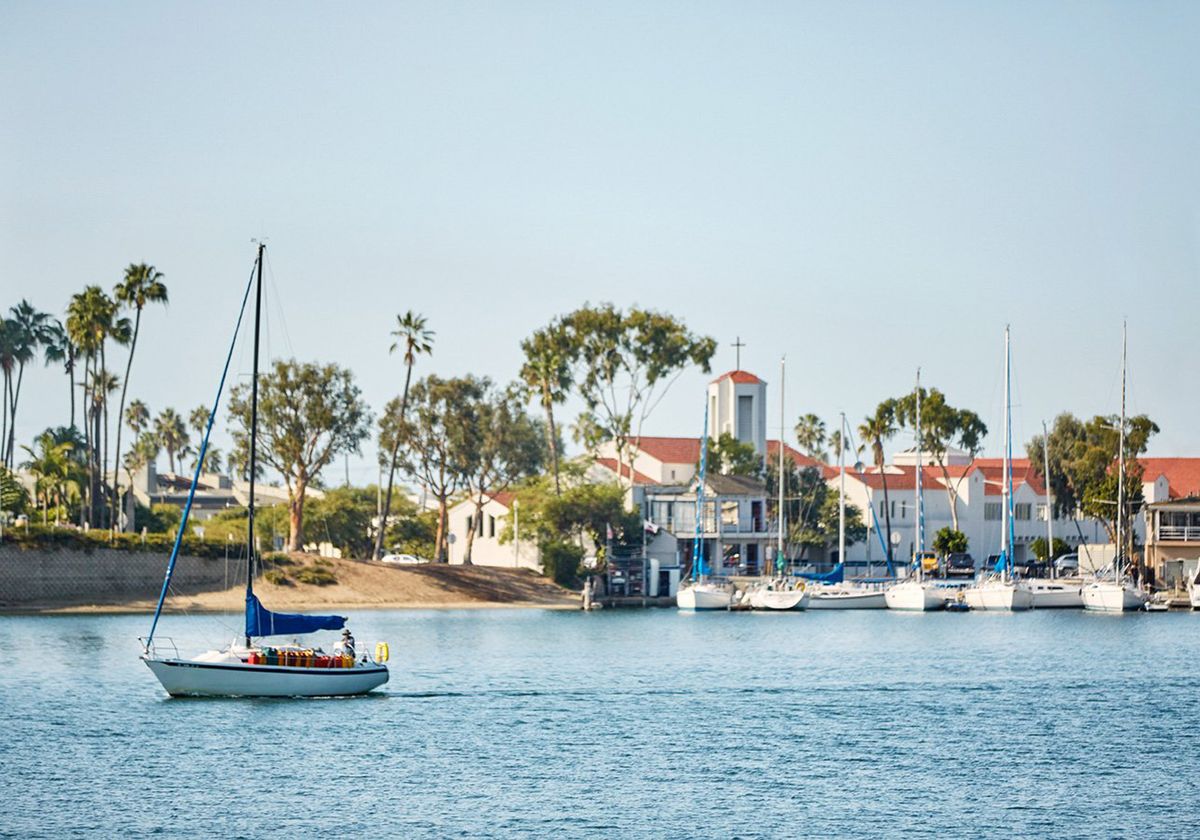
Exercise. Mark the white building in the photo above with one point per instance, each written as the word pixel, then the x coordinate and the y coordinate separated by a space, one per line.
pixel 487 550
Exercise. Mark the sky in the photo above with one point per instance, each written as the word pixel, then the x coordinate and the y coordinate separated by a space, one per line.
pixel 866 188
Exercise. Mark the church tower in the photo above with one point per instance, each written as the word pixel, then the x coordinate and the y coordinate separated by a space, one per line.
pixel 737 405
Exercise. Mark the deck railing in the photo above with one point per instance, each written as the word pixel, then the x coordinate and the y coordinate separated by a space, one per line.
pixel 1179 533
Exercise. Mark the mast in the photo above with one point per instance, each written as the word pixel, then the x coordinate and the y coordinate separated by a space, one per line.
pixel 919 525
pixel 1117 570
pixel 779 555
pixel 1006 489
pixel 1049 498
pixel 697 550
pixel 250 547
pixel 842 491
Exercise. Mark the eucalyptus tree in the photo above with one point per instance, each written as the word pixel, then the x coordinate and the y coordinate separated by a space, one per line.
pixel 307 415
pixel 942 426
pixel 413 336
pixel 625 364
pixel 172 435
pixel 504 445
pixel 141 285
pixel 438 437
pixel 810 434
pixel 548 378
pixel 876 430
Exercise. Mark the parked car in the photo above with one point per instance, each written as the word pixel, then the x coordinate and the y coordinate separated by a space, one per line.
pixel 402 560
pixel 928 561
pixel 1067 564
pixel 960 564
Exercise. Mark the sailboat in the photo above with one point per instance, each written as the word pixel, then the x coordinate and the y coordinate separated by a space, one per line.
pixel 838 594
pixel 1119 594
pixel 1052 592
pixel 1001 590
pixel 702 593
pixel 246 668
pixel 1194 590
pixel 917 594
pixel 779 593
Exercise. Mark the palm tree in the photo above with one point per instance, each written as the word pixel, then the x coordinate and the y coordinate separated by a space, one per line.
pixel 137 417
pixel 172 435
pixel 875 431
pixel 55 470
pixel 413 335
pixel 32 330
pixel 547 374
pixel 8 363
pixel 810 434
pixel 141 285
pixel 58 348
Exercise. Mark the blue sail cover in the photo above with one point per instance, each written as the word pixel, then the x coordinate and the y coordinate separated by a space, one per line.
pixel 262 622
pixel 836 576
pixel 1001 564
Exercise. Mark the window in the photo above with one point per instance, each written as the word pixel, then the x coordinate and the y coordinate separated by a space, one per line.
pixel 1041 513
pixel 882 510
pixel 745 419
pixel 1022 511
pixel 470 524
pixel 991 511
pixel 479 528
pixel 491 526
pixel 729 513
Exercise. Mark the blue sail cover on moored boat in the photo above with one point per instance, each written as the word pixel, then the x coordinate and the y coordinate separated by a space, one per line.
pixel 836 576
pixel 262 622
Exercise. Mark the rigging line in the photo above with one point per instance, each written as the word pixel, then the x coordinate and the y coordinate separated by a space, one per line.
pixel 212 416
pixel 277 299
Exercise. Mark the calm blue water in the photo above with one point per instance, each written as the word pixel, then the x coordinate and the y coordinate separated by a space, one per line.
pixel 515 722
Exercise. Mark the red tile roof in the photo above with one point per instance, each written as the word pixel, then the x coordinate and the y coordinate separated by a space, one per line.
pixel 638 477
pixel 800 459
pixel 503 498
pixel 1183 474
pixel 740 377
pixel 670 450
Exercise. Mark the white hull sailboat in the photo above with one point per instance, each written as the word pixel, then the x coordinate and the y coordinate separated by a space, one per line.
pixel 1114 596
pixel 1002 595
pixel 1055 593
pixel 770 597
pixel 915 596
pixel 847 597
pixel 705 595
pixel 250 669
pixel 1194 595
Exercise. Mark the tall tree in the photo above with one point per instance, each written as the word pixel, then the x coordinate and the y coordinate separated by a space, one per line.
pixel 876 430
pixel 548 378
pixel 137 417
pixel 810 434
pixel 413 336
pixel 307 415
pixel 142 285
pixel 57 474
pixel 60 349
pixel 506 445
pixel 29 330
pixel 942 426
pixel 172 435
pixel 627 362
pixel 437 436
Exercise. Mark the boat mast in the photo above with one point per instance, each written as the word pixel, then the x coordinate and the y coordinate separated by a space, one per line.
pixel 250 545
pixel 842 491
pixel 779 555
pixel 919 525
pixel 697 549
pixel 1049 498
pixel 1117 570
pixel 1006 490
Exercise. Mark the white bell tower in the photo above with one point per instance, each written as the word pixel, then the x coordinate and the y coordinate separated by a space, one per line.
pixel 737 405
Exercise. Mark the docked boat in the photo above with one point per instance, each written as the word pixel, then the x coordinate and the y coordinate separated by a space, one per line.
pixel 1194 594
pixel 846 596
pixel 1118 594
pixel 250 668
pixel 999 594
pixel 1055 593
pixel 914 595
pixel 778 595
pixel 705 595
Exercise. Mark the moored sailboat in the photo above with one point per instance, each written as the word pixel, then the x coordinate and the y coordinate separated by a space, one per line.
pixel 250 669
pixel 701 593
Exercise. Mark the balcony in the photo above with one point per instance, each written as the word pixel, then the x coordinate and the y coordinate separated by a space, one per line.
pixel 1179 533
pixel 683 526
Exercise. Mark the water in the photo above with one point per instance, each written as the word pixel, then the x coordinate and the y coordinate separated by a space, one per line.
pixel 624 723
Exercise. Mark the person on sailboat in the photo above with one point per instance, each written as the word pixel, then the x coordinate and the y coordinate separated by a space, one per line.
pixel 346 645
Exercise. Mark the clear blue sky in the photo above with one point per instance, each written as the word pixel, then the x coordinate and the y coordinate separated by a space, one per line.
pixel 864 187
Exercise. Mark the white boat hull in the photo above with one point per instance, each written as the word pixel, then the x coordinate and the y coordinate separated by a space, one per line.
pixel 1053 594
pixel 1194 595
pixel 704 596
pixel 779 599
pixel 914 596
pixel 849 598
pixel 1108 596
pixel 999 596
pixel 191 678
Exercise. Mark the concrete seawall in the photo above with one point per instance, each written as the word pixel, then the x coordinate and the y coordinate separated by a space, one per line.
pixel 39 578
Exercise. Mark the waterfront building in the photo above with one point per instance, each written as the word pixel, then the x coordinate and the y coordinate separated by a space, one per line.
pixel 487 549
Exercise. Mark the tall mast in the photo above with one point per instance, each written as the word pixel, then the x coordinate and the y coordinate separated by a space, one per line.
pixel 919 525
pixel 1049 498
pixel 251 554
pixel 842 490
pixel 1117 570
pixel 779 557
pixel 1006 490
pixel 697 548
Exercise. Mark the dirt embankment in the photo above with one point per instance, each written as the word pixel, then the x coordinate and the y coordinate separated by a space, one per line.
pixel 359 585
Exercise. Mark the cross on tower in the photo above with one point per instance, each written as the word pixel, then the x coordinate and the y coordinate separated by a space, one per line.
pixel 738 345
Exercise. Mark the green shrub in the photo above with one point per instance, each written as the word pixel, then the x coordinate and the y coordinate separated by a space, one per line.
pixel 277 577
pixel 560 561
pixel 316 576
pixel 278 558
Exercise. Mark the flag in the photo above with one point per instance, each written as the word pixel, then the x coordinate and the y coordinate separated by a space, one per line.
pixel 649 526
pixel 608 530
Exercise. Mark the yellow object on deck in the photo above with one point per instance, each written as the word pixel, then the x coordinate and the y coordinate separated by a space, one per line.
pixel 381 652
